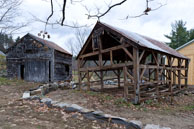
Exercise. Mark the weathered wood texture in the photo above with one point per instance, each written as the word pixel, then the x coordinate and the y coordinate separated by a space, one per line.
pixel 32 60
pixel 146 73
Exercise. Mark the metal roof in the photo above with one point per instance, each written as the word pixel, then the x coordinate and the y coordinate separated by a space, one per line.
pixel 49 44
pixel 184 45
pixel 145 41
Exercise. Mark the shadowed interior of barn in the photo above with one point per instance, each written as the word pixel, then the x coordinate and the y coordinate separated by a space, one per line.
pixel 146 66
pixel 38 60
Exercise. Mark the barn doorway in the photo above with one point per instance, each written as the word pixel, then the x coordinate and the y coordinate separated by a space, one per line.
pixel 22 68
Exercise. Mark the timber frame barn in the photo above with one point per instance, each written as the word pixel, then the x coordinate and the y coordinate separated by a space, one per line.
pixel 146 66
pixel 38 60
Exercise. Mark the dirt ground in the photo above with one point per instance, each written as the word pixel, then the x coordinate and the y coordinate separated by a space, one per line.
pixel 16 113
pixel 179 115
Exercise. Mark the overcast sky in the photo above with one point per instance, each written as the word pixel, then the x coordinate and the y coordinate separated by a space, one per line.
pixel 154 25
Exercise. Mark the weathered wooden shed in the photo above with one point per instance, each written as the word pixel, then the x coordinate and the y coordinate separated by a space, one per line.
pixel 38 60
pixel 188 50
pixel 138 60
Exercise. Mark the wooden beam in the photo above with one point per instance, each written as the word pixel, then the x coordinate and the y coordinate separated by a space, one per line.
pixel 136 75
pixel 141 56
pixel 179 73
pixel 114 66
pixel 186 72
pixel 119 81
pixel 125 82
pixel 79 75
pixel 105 50
pixel 111 57
pixel 127 52
pixel 88 81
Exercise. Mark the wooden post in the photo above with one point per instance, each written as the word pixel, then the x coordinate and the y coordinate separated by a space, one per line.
pixel 125 82
pixel 79 74
pixel 157 76
pixel 100 63
pixel 119 82
pixel 170 77
pixel 174 77
pixel 111 58
pixel 88 80
pixel 136 75
pixel 179 73
pixel 186 72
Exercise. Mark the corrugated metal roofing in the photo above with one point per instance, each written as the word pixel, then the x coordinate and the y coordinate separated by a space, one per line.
pixel 49 44
pixel 145 41
pixel 184 45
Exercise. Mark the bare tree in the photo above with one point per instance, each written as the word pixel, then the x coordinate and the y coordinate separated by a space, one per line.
pixel 9 12
pixel 99 12
pixel 76 43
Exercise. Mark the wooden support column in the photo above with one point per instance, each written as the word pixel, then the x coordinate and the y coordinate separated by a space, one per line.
pixel 100 63
pixel 179 73
pixel 157 76
pixel 170 77
pixel 111 58
pixel 125 82
pixel 136 75
pixel 118 76
pixel 186 72
pixel 88 80
pixel 79 74
pixel 174 77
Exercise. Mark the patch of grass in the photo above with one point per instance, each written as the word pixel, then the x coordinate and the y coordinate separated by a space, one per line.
pixel 122 102
pixel 148 102
pixel 92 93
pixel 189 108
pixel 6 81
pixel 108 97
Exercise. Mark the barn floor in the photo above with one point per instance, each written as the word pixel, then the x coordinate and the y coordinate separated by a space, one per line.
pixel 19 114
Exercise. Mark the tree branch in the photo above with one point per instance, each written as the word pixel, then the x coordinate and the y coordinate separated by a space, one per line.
pixel 99 15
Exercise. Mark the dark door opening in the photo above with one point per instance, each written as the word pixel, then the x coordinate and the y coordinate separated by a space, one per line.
pixel 67 69
pixel 22 71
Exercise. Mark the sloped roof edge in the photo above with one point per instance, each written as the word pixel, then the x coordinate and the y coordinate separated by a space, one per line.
pixel 184 45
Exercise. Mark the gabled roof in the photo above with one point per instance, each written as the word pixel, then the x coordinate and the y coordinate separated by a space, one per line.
pixel 46 42
pixel 184 45
pixel 140 40
pixel 49 44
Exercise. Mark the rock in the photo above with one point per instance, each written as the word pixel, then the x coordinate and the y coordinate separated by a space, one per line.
pixel 77 107
pixel 137 122
pixel 186 93
pixel 54 102
pixel 74 86
pixel 34 98
pixel 26 95
pixel 44 90
pixel 35 92
pixel 152 126
pixel 98 113
pixel 70 109
pixel 45 100
pixel 61 105
pixel 132 126
pixel 84 110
